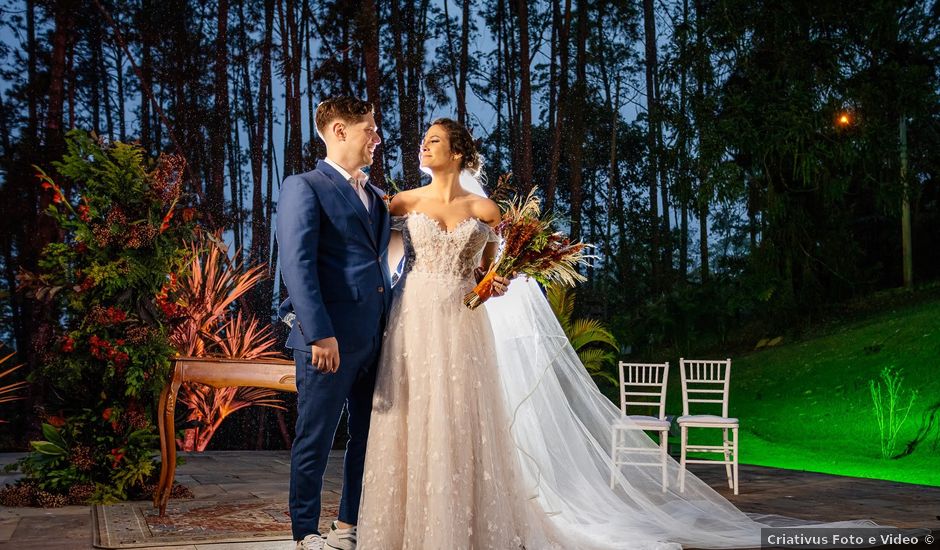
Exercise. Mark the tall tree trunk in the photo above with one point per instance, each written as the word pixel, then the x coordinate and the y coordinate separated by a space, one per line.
pixel 307 17
pixel 159 104
pixel 237 214
pixel 262 295
pixel 703 196
pixel 907 251
pixel 649 26
pixel 94 49
pixel 512 112
pixel 32 97
pixel 5 140
pixel 291 53
pixel 273 179
pixel 220 133
pixel 524 172
pixel 102 72
pixel 553 67
pixel 498 77
pixel 613 182
pixel 459 59
pixel 58 69
pixel 119 74
pixel 296 142
pixel 664 194
pixel 464 65
pixel 683 138
pixel 409 61
pixel 577 123
pixel 38 316
pixel 72 82
pixel 146 70
pixel 260 236
pixel 369 35
pixel 561 111
pixel 703 236
pixel 753 209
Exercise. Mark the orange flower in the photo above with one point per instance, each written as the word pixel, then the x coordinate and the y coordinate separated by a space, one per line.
pixel 56 421
pixel 117 454
pixel 166 221
pixel 68 344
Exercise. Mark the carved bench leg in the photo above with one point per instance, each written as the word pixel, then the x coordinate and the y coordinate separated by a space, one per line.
pixel 161 410
pixel 168 434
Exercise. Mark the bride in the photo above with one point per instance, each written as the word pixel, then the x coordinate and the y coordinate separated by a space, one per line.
pixel 486 431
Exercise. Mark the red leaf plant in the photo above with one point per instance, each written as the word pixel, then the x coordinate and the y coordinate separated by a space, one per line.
pixel 208 325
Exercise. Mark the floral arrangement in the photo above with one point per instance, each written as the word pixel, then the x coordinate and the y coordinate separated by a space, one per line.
pixel 107 354
pixel 532 248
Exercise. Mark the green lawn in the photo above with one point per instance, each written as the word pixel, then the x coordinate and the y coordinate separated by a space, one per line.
pixel 807 405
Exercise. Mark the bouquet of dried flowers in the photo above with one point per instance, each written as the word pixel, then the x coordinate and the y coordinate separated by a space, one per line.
pixel 532 248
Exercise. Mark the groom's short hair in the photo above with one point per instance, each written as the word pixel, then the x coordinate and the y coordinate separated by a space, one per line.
pixel 346 108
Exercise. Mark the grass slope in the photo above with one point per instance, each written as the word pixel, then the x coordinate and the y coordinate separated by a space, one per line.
pixel 807 405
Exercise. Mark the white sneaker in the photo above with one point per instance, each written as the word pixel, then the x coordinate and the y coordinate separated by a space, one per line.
pixel 341 539
pixel 310 542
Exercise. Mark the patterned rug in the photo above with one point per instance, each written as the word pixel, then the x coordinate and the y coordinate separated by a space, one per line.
pixel 187 522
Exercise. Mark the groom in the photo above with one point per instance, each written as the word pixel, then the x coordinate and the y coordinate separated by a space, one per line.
pixel 333 233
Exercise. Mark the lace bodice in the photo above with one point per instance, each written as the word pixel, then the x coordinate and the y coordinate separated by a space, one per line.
pixel 433 250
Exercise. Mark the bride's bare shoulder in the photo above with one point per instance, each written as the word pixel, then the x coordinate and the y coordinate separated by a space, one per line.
pixel 486 210
pixel 403 202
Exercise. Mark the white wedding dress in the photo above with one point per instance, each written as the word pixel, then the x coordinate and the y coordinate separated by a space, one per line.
pixel 441 469
pixel 487 433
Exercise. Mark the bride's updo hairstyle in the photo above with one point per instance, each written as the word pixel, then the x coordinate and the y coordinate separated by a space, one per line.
pixel 461 142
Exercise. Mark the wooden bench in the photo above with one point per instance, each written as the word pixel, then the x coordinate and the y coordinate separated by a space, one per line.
pixel 277 374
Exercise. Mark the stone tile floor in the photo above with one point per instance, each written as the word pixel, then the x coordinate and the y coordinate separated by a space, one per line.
pixel 264 474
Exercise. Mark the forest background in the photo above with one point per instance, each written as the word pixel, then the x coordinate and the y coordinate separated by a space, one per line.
pixel 745 169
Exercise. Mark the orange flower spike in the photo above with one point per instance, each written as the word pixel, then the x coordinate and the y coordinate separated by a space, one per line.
pixel 169 215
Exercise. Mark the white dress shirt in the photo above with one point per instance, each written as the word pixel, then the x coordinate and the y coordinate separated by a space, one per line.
pixel 358 181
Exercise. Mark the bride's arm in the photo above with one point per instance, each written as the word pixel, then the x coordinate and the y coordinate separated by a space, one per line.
pixel 489 213
pixel 396 251
pixel 396 244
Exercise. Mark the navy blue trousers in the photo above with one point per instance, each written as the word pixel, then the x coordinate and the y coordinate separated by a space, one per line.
pixel 320 401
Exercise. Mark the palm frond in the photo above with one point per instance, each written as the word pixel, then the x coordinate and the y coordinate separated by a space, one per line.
pixel 588 337
pixel 561 300
pixel 242 338
pixel 595 362
pixel 585 332
pixel 7 392
pixel 207 290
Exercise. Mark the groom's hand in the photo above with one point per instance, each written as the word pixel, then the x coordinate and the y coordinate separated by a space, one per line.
pixel 325 355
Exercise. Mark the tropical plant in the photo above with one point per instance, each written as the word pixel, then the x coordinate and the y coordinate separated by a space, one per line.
pixel 589 337
pixel 202 302
pixel 210 406
pixel 203 296
pixel 891 407
pixel 8 392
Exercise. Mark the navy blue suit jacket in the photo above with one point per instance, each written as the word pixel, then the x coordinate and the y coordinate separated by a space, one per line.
pixel 333 255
